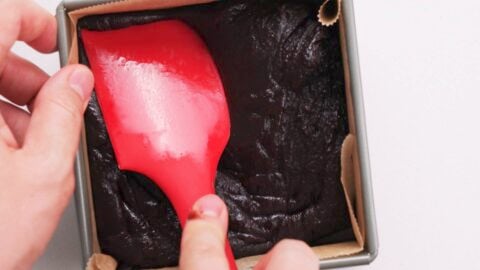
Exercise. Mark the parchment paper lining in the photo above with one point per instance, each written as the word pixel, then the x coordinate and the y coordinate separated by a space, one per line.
pixel 329 13
pixel 101 262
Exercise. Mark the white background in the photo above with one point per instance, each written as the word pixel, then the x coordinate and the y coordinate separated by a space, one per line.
pixel 420 63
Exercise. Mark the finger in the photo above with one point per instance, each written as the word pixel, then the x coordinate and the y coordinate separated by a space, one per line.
pixel 57 116
pixel 7 140
pixel 20 79
pixel 204 236
pixel 26 21
pixel 287 255
pixel 17 119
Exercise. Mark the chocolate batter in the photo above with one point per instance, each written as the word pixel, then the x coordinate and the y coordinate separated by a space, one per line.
pixel 280 173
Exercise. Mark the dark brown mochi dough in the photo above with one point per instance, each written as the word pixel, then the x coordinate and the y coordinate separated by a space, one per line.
pixel 280 173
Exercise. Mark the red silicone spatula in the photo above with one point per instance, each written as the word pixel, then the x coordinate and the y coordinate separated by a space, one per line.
pixel 164 107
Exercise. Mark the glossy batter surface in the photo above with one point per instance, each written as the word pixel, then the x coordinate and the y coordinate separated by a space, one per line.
pixel 283 77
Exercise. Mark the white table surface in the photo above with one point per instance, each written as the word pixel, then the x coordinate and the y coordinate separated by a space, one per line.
pixel 420 63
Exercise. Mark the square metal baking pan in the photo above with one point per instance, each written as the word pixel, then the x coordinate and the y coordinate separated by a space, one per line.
pixel 81 171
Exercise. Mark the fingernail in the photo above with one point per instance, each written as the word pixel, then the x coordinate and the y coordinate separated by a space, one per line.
pixel 210 206
pixel 81 81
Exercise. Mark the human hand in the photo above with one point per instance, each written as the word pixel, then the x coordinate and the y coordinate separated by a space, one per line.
pixel 37 148
pixel 203 243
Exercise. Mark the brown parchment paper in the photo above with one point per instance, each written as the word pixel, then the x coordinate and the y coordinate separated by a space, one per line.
pixel 329 13
pixel 101 262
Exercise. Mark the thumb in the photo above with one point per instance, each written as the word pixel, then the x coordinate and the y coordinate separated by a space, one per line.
pixel 204 236
pixel 56 121
pixel 289 254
